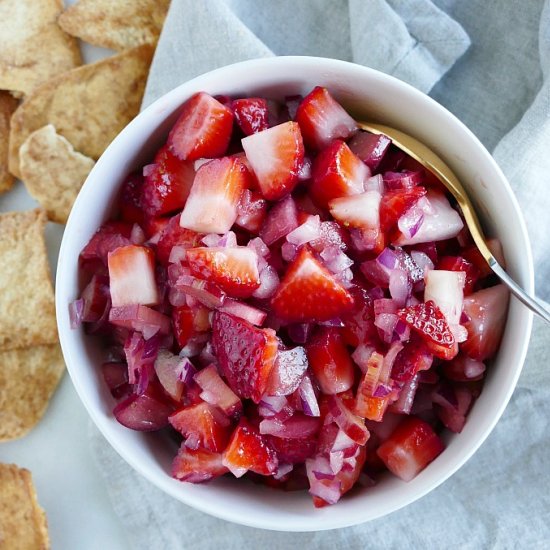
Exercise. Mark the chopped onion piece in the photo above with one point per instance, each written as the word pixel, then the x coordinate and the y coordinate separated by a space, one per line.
pixel 305 233
pixel 308 399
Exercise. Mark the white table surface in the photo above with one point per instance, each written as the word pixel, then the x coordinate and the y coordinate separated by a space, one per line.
pixel 69 484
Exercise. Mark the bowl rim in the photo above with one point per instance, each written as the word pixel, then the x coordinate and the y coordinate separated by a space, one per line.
pixel 324 521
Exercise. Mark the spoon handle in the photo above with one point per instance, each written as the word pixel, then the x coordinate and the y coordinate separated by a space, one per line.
pixel 534 304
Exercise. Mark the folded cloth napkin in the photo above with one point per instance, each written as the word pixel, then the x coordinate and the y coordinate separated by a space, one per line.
pixel 501 88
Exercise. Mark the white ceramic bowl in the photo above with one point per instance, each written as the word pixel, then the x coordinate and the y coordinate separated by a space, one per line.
pixel 368 94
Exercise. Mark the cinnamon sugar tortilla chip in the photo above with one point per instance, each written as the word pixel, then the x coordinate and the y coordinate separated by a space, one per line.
pixel 27 313
pixel 115 24
pixel 8 104
pixel 53 172
pixel 28 378
pixel 88 105
pixel 22 520
pixel 33 48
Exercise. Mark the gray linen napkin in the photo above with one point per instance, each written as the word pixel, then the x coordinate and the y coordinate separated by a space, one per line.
pixel 499 499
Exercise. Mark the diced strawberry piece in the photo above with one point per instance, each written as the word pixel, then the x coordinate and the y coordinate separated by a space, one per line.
pixel 203 425
pixel 132 276
pixel 215 196
pixel 246 354
pixel 429 322
pixel 337 172
pixel 457 263
pixel 167 184
pixel 116 378
pixel 203 129
pixel 233 269
pixel 359 322
pixel 463 369
pixel 308 292
pixel 322 119
pixel 414 357
pixel 395 203
pixel 251 114
pixel 216 392
pixel 330 361
pixel 131 207
pixel 107 238
pixel 474 256
pixel 197 465
pixel 183 324
pixel 351 424
pixel 332 234
pixel 487 311
pixel 370 148
pixel 251 211
pixel 293 451
pixel 370 407
pixel 155 226
pixel 411 447
pixel 175 235
pixel 95 296
pixel 276 156
pixel 288 371
pixel 249 450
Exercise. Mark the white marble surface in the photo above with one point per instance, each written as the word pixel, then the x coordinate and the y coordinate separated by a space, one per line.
pixel 70 486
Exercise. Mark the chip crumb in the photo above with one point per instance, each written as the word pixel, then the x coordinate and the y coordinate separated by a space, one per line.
pixel 27 311
pixel 8 104
pixel 53 172
pixel 88 105
pixel 33 46
pixel 23 524
pixel 115 24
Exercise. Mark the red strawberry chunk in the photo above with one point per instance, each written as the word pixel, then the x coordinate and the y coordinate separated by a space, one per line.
pixel 337 172
pixel 183 324
pixel 233 269
pixel 308 292
pixel 197 465
pixel 203 129
pixel 175 235
pixel 131 207
pixel 411 447
pixel 370 407
pixel 132 276
pixel 167 183
pixel 215 196
pixel 107 238
pixel 246 354
pixel 330 361
pixel 457 263
pixel 153 227
pixel 395 203
pixel 413 358
pixel 288 371
pixel 322 119
pixel 359 322
pixel 486 311
pixel 251 114
pixel 276 156
pixel 281 220
pixel 139 317
pixel 293 451
pixel 251 211
pixel 429 322
pixel 203 425
pixel 249 450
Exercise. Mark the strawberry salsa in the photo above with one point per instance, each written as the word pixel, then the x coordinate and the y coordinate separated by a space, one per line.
pixel 295 300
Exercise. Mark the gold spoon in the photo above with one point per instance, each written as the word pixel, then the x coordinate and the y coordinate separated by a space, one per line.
pixel 427 158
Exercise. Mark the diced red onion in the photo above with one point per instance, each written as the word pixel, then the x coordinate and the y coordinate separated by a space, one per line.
pixel 199 162
pixel 374 183
pixel 422 260
pixel 337 322
pixel 288 371
pixel 352 424
pixel 402 180
pixel 289 251
pixel 269 281
pixel 389 360
pixel 337 262
pixel 259 246
pixel 205 292
pixel 304 173
pixel 297 426
pixel 76 309
pixel 400 287
pixel 211 240
pixel 280 221
pixel 305 233
pixel 409 223
pixel 283 470
pixel 342 442
pixel 382 390
pixel 271 405
pixel 388 259
pixel 148 169
pixel 140 318
pixel 216 391
pixel 194 345
pixel 310 406
pixel 140 357
pixel 299 332
pixel 177 254
pixel 361 356
pixel 244 311
pixel 336 460
pixel 137 236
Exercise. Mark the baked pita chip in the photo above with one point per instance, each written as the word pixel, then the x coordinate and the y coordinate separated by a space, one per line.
pixel 33 48
pixel 27 312
pixel 28 378
pixel 88 106
pixel 23 523
pixel 53 172
pixel 115 24
pixel 8 104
